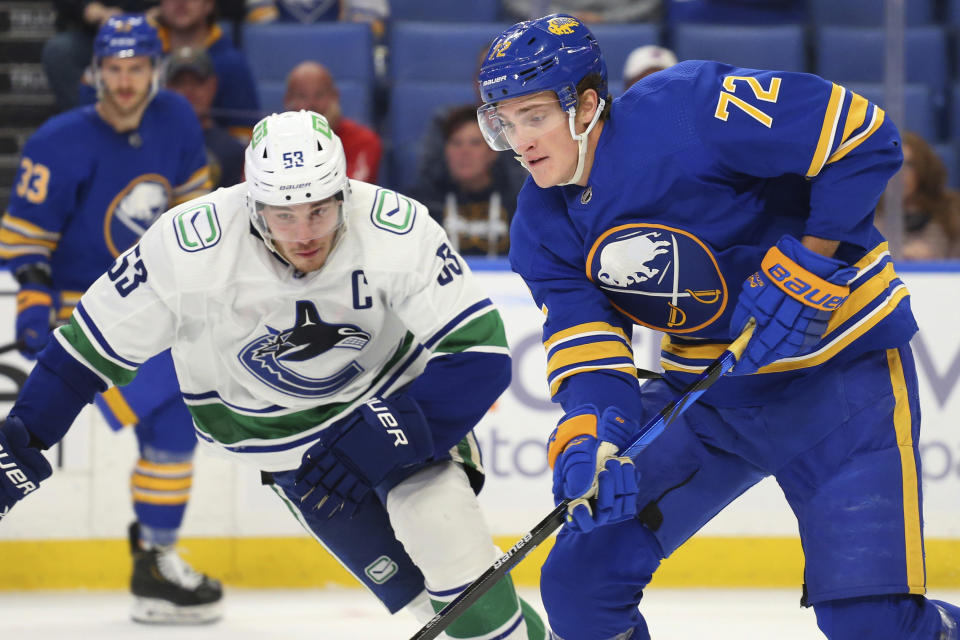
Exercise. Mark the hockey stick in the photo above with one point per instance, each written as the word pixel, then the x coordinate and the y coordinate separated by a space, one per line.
pixel 543 529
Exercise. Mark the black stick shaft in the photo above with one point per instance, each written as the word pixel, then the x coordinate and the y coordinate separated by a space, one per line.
pixel 552 522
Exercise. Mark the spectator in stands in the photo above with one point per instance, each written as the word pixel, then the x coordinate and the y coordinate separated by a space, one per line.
pixel 190 73
pixel 193 23
pixel 590 11
pixel 430 163
pixel 645 60
pixel 66 54
pixel 375 12
pixel 931 211
pixel 310 86
pixel 475 193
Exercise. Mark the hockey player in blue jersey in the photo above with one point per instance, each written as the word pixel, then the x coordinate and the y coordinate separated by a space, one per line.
pixel 91 181
pixel 707 195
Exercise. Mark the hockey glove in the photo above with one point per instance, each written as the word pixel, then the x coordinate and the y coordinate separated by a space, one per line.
pixel 22 466
pixel 380 437
pixel 582 451
pixel 34 304
pixel 791 298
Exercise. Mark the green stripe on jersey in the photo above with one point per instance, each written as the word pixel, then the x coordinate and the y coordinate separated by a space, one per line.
pixel 79 340
pixel 486 330
pixel 227 426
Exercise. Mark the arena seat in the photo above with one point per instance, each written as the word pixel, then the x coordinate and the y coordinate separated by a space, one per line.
pixel 757 47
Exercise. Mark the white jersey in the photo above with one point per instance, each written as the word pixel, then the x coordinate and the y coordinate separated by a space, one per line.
pixel 266 356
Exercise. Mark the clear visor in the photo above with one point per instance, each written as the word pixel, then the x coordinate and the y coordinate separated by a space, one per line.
pixel 515 124
pixel 302 222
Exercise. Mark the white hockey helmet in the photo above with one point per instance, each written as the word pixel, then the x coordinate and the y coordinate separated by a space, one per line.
pixel 294 158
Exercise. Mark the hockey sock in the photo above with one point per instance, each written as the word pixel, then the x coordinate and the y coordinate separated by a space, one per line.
pixel 161 491
pixel 496 614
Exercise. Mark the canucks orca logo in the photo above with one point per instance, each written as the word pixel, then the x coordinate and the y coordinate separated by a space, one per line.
pixel 134 209
pixel 276 357
pixel 659 277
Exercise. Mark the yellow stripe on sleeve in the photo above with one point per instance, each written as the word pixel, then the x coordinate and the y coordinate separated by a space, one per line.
pixel 28 228
pixel 856 114
pixel 583 329
pixel 9 236
pixel 827 130
pixel 854 142
pixel 586 353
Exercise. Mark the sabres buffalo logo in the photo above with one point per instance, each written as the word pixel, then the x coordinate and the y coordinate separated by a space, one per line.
pixel 134 209
pixel 280 357
pixel 658 276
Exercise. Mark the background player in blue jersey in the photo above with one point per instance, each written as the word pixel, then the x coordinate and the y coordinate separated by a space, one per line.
pixel 704 196
pixel 91 181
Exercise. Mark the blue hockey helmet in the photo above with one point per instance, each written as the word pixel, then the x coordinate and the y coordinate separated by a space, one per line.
pixel 126 36
pixel 552 53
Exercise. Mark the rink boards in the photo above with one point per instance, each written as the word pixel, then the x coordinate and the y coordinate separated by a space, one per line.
pixel 70 533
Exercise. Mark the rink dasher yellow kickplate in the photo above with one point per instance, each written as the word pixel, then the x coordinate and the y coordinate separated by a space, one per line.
pixel 286 562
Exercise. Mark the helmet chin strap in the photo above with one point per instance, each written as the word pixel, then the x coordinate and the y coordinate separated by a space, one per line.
pixel 582 138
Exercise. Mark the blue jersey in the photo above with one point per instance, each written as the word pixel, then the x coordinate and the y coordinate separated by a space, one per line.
pixel 85 193
pixel 700 169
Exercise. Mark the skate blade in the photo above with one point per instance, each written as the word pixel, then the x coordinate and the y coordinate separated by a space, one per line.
pixel 153 611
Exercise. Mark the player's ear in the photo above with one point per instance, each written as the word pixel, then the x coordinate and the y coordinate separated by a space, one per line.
pixel 586 107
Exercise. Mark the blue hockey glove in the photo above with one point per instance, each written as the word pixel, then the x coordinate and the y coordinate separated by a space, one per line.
pixel 380 437
pixel 22 467
pixel 791 298
pixel 34 304
pixel 582 451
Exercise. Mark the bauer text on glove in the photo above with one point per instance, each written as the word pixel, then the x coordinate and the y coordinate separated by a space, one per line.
pixel 791 298
pixel 380 437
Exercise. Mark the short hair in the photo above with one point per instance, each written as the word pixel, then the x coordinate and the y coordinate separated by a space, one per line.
pixel 595 81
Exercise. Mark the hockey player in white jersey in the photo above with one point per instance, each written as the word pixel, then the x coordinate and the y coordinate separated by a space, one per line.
pixel 323 330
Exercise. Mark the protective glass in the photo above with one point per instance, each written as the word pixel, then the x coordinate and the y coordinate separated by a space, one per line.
pixel 302 222
pixel 514 124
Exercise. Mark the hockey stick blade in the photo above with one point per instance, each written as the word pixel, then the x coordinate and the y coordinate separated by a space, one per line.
pixel 543 529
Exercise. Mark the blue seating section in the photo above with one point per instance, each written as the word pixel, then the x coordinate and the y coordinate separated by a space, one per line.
pixel 435 47
pixel 618 40
pixel 856 54
pixel 445 10
pixel 440 52
pixel 867 13
pixel 735 11
pixel 763 47
pixel 346 49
